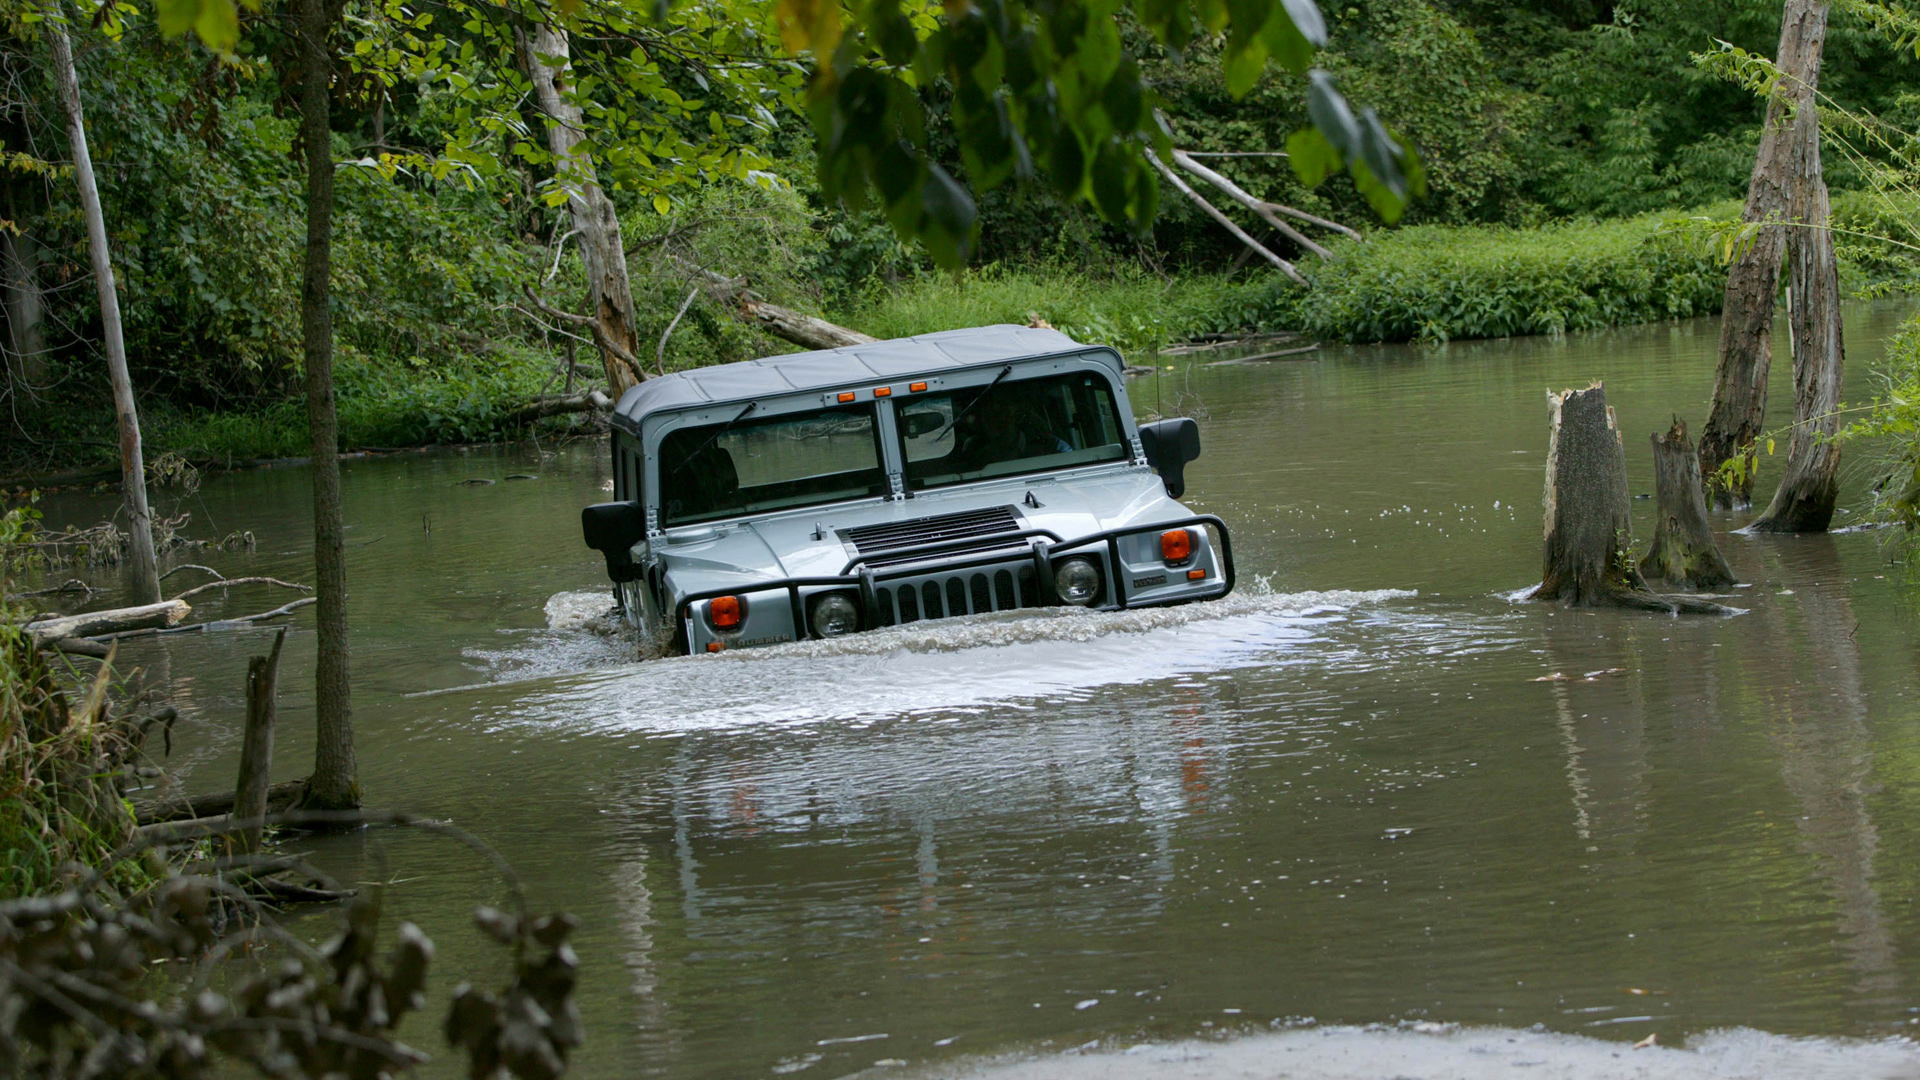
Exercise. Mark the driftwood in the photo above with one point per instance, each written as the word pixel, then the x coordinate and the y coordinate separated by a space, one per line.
pixel 1683 551
pixel 1586 559
pixel 1265 357
pixel 256 748
pixel 212 624
pixel 226 583
pixel 113 620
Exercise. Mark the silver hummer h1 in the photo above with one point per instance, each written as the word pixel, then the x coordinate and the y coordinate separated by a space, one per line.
pixel 824 493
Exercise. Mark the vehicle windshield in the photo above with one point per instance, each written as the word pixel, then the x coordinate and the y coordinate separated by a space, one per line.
pixel 1012 427
pixel 752 465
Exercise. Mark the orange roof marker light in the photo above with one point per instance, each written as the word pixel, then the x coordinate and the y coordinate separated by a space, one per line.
pixel 914 388
pixel 883 391
pixel 846 395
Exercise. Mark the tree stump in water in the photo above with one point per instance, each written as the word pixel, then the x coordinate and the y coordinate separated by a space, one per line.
pixel 1588 561
pixel 1683 552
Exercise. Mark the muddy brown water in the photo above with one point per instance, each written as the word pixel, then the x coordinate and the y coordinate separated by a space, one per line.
pixel 1345 793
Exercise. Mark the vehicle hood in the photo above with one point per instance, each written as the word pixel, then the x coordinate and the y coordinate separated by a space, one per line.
pixel 805 543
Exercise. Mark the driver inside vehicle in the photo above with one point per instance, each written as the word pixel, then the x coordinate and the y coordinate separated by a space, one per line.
pixel 1003 427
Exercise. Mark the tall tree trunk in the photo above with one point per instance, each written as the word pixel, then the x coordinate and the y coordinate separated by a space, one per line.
pixel 595 224
pixel 1811 485
pixel 25 304
pixel 1746 322
pixel 133 469
pixel 335 782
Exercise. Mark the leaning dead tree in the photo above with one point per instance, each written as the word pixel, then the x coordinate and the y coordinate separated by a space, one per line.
pixel 1270 212
pixel 596 226
pixel 1738 412
pixel 1683 552
pixel 1587 557
pixel 133 470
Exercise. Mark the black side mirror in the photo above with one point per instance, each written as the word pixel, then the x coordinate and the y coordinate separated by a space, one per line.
pixel 1170 444
pixel 612 529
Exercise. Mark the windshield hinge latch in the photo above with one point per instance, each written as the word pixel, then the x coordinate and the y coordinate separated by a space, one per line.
pixel 1032 502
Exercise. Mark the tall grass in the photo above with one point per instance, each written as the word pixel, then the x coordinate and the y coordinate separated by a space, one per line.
pixel 60 803
pixel 1126 308
pixel 1438 282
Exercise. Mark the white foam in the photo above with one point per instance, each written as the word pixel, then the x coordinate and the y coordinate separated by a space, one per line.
pixel 940 665
pixel 1445 1052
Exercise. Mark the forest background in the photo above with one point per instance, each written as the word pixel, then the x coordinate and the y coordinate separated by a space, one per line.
pixel 1574 154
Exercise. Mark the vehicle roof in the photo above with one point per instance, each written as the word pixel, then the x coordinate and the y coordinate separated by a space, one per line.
pixel 827 369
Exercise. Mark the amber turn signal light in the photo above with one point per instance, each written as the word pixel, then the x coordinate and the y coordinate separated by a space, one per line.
pixel 883 391
pixel 914 388
pixel 724 612
pixel 1176 545
pixel 1196 575
pixel 716 646
pixel 846 395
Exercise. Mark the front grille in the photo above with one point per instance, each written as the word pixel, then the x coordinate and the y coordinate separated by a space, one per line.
pixel 969 531
pixel 969 592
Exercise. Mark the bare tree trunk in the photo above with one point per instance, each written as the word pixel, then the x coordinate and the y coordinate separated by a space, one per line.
pixel 133 469
pixel 335 782
pixel 1683 551
pixel 1587 557
pixel 256 749
pixel 1811 485
pixel 1739 404
pixel 25 305
pixel 595 223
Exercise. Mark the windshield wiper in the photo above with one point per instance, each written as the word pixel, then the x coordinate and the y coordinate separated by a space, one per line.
pixel 714 438
pixel 982 396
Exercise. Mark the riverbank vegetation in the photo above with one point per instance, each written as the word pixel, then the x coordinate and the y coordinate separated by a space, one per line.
pixel 1555 180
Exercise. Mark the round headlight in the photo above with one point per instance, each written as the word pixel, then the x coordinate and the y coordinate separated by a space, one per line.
pixel 1076 581
pixel 832 615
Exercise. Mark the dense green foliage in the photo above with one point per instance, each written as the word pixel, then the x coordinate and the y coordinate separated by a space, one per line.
pixel 1537 126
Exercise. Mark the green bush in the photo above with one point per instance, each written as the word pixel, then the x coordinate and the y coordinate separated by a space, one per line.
pixel 1434 282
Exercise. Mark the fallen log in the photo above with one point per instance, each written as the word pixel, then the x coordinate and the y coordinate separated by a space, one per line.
pixel 111 621
pixel 1683 553
pixel 782 322
pixel 281 797
pixel 1586 557
pixel 541 408
pixel 78 647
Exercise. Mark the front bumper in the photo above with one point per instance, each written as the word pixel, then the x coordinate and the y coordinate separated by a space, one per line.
pixel 944 581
